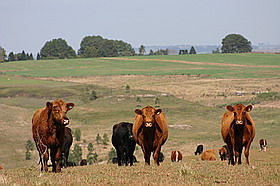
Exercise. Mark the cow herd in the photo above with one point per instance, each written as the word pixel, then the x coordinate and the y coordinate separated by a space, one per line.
pixel 149 131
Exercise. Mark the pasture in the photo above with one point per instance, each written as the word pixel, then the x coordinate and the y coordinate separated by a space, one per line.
pixel 192 97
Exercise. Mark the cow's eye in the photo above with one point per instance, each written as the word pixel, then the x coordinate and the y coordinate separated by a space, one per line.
pixel 235 113
pixel 143 116
pixel 55 109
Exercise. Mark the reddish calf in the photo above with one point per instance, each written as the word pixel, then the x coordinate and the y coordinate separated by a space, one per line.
pixel 208 155
pixel 176 156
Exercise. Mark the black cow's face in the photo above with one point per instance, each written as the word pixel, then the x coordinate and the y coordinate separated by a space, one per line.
pixel 148 113
pixel 239 112
pixel 59 109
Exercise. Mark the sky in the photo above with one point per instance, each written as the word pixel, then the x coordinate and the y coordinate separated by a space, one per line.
pixel 28 24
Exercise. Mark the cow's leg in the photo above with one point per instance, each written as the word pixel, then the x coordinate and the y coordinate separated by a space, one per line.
pixel 156 154
pixel 230 160
pixel 58 159
pixel 53 153
pixel 130 155
pixel 246 152
pixel 45 160
pixel 126 158
pixel 147 158
pixel 119 155
pixel 66 155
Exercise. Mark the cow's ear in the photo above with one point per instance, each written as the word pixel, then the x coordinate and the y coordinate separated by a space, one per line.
pixel 158 111
pixel 138 111
pixel 230 108
pixel 249 108
pixel 49 105
pixel 70 106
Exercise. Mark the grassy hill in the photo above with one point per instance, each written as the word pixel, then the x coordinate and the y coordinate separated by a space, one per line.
pixel 192 95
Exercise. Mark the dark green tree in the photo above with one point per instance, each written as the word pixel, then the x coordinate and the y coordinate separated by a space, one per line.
pixel 38 56
pixel 90 52
pixel 90 147
pixel 31 56
pixel 235 43
pixel 192 50
pixel 2 54
pixel 104 47
pixel 11 57
pixel 142 50
pixel 93 95
pixel 127 88
pixel 76 154
pixel 23 56
pixel 112 153
pixel 105 139
pixel 77 134
pixel 27 155
pixel 29 145
pixel 98 139
pixel 57 49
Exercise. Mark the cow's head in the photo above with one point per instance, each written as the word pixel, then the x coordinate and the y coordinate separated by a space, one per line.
pixel 239 112
pixel 58 109
pixel 148 113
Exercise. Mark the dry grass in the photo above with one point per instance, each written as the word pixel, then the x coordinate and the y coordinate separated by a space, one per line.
pixel 208 92
pixel 264 170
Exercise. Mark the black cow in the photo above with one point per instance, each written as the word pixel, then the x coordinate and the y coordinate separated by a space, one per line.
pixel 114 160
pixel 199 150
pixel 83 162
pixel 124 143
pixel 68 140
pixel 161 157
pixel 71 164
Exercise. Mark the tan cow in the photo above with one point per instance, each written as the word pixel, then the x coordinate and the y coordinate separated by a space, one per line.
pixel 150 131
pixel 48 128
pixel 238 131
pixel 208 155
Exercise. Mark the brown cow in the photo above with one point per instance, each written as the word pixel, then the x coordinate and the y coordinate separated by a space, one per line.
pixel 208 155
pixel 150 131
pixel 238 131
pixel 176 156
pixel 48 127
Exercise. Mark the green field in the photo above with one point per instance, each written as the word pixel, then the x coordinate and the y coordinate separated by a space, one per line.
pixel 99 66
pixel 174 83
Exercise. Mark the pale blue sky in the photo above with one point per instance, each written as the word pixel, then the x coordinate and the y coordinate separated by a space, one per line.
pixel 28 24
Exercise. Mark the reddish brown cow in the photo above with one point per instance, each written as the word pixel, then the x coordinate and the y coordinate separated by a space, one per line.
pixel 150 131
pixel 208 155
pixel 176 156
pixel 238 131
pixel 48 127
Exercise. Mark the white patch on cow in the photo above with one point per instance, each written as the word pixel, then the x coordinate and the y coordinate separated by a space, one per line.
pixel 177 156
pixel 65 122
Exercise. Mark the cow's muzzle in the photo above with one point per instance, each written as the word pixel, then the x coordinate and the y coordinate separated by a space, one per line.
pixel 239 122
pixel 66 121
pixel 148 124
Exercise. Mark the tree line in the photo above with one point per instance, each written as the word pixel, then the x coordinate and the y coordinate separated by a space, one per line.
pixel 97 46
